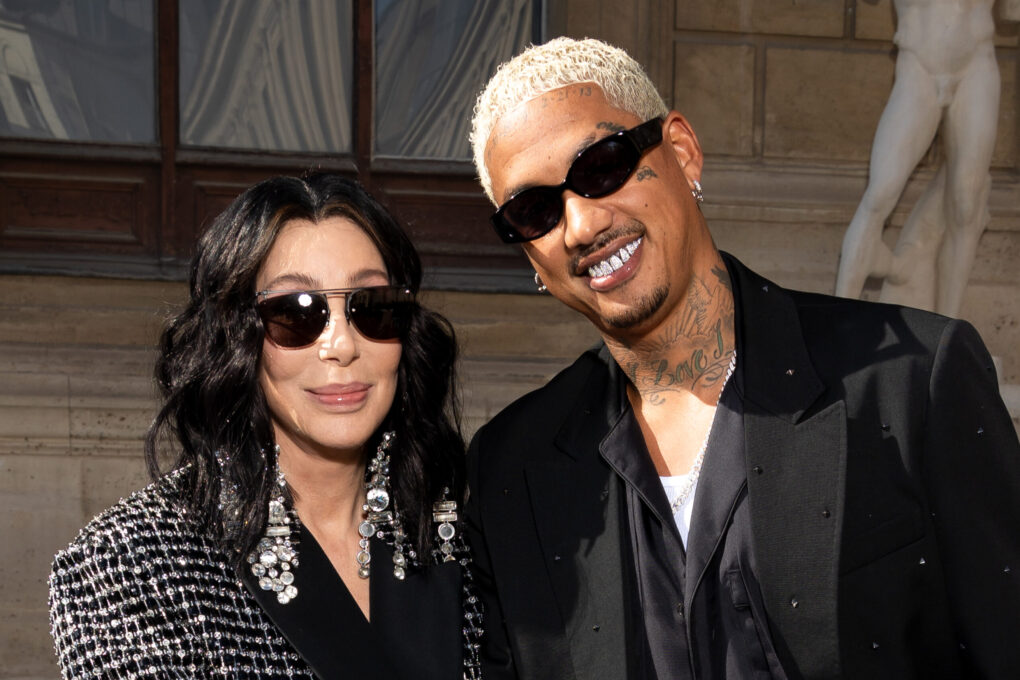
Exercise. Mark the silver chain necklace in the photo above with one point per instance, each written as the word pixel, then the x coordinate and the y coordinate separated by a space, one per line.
pixel 692 476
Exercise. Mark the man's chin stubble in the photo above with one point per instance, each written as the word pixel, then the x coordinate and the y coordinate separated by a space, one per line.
pixel 642 311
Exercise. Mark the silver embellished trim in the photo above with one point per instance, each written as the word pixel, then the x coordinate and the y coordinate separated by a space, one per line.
pixel 143 592
pixel 229 497
pixel 474 619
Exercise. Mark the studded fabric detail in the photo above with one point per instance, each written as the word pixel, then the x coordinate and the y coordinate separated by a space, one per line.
pixel 143 593
pixel 473 625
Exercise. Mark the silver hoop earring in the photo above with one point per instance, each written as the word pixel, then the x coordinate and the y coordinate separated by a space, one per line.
pixel 542 288
pixel 699 196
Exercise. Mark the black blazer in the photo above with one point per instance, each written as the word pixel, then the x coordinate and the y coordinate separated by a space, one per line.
pixel 144 590
pixel 883 476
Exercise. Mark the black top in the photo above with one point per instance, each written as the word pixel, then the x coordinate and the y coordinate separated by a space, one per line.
pixel 702 606
pixel 414 622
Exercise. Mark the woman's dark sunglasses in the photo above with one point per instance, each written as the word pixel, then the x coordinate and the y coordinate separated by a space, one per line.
pixel 296 318
pixel 599 170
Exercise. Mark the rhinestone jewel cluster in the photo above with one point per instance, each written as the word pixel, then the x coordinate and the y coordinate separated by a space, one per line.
pixel 444 513
pixel 381 520
pixel 274 557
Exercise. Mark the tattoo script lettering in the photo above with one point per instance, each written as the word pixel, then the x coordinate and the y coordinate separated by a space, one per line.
pixel 703 324
pixel 645 172
pixel 565 93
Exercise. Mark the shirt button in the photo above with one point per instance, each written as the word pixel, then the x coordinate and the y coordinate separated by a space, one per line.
pixel 680 608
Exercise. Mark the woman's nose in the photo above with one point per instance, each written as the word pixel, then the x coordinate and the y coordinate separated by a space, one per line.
pixel 339 341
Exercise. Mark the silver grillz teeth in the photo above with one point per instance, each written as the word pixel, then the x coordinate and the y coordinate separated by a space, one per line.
pixel 615 261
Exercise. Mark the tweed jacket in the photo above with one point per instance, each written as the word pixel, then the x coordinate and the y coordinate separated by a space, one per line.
pixel 883 480
pixel 142 592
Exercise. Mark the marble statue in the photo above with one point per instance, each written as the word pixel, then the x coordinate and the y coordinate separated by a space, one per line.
pixel 945 74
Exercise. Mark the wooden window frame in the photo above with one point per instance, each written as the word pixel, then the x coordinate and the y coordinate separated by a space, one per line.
pixel 135 211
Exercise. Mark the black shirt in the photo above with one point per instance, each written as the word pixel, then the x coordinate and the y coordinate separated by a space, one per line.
pixel 701 610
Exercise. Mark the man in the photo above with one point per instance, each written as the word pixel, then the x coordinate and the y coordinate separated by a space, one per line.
pixel 848 474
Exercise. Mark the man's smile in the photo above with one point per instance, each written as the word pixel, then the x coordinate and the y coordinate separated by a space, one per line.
pixel 614 261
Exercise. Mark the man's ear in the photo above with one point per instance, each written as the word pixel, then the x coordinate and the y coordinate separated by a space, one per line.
pixel 680 136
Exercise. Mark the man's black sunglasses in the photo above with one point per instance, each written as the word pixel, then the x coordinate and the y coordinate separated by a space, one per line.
pixel 296 318
pixel 599 170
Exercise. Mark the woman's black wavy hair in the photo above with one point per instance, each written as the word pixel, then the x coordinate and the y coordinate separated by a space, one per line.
pixel 207 371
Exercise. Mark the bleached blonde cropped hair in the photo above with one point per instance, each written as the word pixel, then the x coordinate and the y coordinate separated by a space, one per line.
pixel 555 64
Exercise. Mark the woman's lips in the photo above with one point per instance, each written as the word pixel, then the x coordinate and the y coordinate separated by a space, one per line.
pixel 347 394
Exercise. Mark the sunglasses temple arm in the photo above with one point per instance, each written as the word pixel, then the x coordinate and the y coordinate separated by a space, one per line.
pixel 644 136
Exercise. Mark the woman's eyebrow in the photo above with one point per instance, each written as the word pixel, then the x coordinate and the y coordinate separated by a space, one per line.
pixel 363 275
pixel 292 280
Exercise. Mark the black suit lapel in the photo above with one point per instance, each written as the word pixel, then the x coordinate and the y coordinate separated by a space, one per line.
pixel 796 500
pixel 574 499
pixel 625 450
pixel 323 623
pixel 795 466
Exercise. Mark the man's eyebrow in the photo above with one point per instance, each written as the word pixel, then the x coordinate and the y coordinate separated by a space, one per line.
pixel 581 146
pixel 584 144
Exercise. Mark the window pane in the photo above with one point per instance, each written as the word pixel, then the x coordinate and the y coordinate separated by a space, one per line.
pixel 273 75
pixel 432 57
pixel 78 70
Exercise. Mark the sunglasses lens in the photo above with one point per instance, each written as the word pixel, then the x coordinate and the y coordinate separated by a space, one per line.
pixel 532 213
pixel 381 313
pixel 603 167
pixel 294 319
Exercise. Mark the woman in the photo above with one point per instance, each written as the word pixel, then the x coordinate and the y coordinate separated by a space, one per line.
pixel 308 525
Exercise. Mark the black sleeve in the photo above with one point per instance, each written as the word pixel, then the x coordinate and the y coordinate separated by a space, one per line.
pixel 972 471
pixel 497 662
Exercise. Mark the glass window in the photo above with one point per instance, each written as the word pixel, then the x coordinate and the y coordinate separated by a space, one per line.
pixel 272 75
pixel 78 70
pixel 431 58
